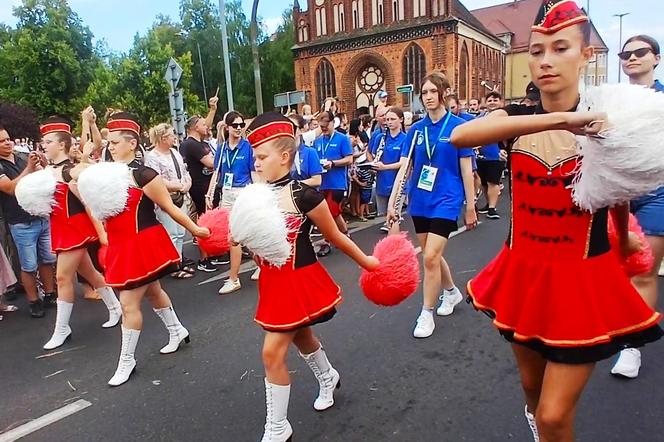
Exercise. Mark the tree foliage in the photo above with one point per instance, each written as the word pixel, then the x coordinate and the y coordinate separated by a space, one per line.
pixel 49 62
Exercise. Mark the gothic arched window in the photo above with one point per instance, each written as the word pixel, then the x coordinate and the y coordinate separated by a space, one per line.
pixel 325 81
pixel 414 66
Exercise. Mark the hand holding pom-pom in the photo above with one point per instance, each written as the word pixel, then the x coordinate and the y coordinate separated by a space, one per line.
pixel 635 254
pixel 214 235
pixel 397 271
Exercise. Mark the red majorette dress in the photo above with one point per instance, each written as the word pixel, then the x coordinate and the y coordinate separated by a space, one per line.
pixel 556 287
pixel 139 248
pixel 71 227
pixel 300 293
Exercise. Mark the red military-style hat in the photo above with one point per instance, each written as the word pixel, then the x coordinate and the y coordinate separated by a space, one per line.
pixel 269 126
pixel 555 15
pixel 122 121
pixel 55 124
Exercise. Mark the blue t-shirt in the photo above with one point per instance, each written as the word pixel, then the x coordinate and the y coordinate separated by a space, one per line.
pixel 466 116
pixel 394 147
pixel 490 152
pixel 333 148
pixel 238 161
pixel 376 136
pixel 447 197
pixel 306 164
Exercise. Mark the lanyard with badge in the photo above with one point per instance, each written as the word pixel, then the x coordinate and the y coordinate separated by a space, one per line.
pixel 323 158
pixel 428 174
pixel 228 177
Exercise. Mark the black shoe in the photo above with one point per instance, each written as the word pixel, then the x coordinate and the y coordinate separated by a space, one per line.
pixel 324 250
pixel 315 232
pixel 50 299
pixel 205 265
pixel 492 214
pixel 484 209
pixel 220 260
pixel 12 294
pixel 37 309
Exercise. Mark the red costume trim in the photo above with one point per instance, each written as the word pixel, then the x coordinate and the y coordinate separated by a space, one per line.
pixel 556 16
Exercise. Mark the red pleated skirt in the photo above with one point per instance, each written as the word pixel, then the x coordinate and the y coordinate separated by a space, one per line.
pixel 140 259
pixel 289 299
pixel 74 232
pixel 571 311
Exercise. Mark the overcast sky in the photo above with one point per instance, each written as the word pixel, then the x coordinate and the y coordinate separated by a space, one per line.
pixel 104 19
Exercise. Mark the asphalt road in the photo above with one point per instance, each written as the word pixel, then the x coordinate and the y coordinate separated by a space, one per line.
pixel 459 385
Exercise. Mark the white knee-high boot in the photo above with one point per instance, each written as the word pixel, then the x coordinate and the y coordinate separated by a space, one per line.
pixel 327 376
pixel 277 427
pixel 176 332
pixel 112 304
pixel 127 363
pixel 62 331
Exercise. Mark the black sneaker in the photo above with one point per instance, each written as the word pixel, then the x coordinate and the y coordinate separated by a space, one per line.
pixel 492 214
pixel 324 250
pixel 220 260
pixel 384 228
pixel 37 309
pixel 205 265
pixel 50 299
pixel 484 209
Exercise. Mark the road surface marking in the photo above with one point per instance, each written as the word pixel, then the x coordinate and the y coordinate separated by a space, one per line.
pixel 44 421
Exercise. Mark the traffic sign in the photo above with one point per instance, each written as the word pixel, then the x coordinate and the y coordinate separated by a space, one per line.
pixel 405 89
pixel 173 73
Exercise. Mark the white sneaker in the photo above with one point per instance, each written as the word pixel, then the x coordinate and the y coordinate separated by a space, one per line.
pixel 230 286
pixel 628 363
pixel 425 325
pixel 661 269
pixel 449 299
pixel 256 274
pixel 531 423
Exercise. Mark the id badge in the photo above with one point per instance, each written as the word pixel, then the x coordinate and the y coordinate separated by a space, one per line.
pixel 322 164
pixel 228 181
pixel 427 178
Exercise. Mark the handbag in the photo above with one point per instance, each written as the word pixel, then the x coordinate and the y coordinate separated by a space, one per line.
pixel 177 197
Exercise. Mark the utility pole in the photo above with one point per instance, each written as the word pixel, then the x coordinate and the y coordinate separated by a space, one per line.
pixel 224 46
pixel 200 62
pixel 620 44
pixel 257 62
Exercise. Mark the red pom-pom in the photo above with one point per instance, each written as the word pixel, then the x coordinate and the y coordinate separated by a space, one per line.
pixel 218 243
pixel 398 275
pixel 639 262
pixel 101 256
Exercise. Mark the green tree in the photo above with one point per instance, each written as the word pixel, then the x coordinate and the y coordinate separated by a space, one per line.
pixel 277 61
pixel 48 61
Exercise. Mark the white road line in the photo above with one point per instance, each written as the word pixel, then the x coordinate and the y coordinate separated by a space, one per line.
pixel 44 421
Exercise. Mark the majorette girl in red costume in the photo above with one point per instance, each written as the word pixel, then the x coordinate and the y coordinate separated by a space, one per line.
pixel 140 252
pixel 556 291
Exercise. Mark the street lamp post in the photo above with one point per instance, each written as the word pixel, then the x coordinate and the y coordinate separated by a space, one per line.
pixel 256 58
pixel 227 62
pixel 620 44
pixel 183 33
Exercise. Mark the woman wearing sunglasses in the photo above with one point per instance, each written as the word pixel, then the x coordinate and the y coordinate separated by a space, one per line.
pixel 234 166
pixel 639 58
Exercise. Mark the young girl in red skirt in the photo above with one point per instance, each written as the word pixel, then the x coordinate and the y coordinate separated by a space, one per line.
pixel 556 291
pixel 140 251
pixel 299 294
pixel 72 231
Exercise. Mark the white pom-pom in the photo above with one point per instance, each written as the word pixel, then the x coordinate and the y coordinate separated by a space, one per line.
pixel 35 193
pixel 260 225
pixel 627 160
pixel 104 188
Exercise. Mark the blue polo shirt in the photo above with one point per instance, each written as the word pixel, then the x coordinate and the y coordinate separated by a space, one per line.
pixel 306 164
pixel 333 148
pixel 238 161
pixel 490 152
pixel 376 135
pixel 466 116
pixel 394 147
pixel 447 197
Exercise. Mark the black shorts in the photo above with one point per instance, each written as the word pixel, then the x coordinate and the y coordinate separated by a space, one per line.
pixel 437 226
pixel 198 198
pixel 491 172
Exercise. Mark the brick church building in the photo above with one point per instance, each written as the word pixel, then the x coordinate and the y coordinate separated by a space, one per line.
pixel 352 49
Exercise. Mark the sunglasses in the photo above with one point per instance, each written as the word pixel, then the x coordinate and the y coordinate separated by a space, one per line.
pixel 641 52
pixel 237 125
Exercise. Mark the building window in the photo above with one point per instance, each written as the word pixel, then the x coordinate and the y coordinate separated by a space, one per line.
pixel 419 8
pixel 360 13
pixel 318 23
pixel 342 18
pixel 335 10
pixel 356 16
pixel 339 25
pixel 414 66
pixel 325 81
pixel 323 20
pixel 438 7
pixel 397 10
pixel 463 73
pixel 378 12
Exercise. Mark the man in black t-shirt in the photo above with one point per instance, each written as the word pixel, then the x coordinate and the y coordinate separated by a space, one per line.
pixel 31 235
pixel 199 158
